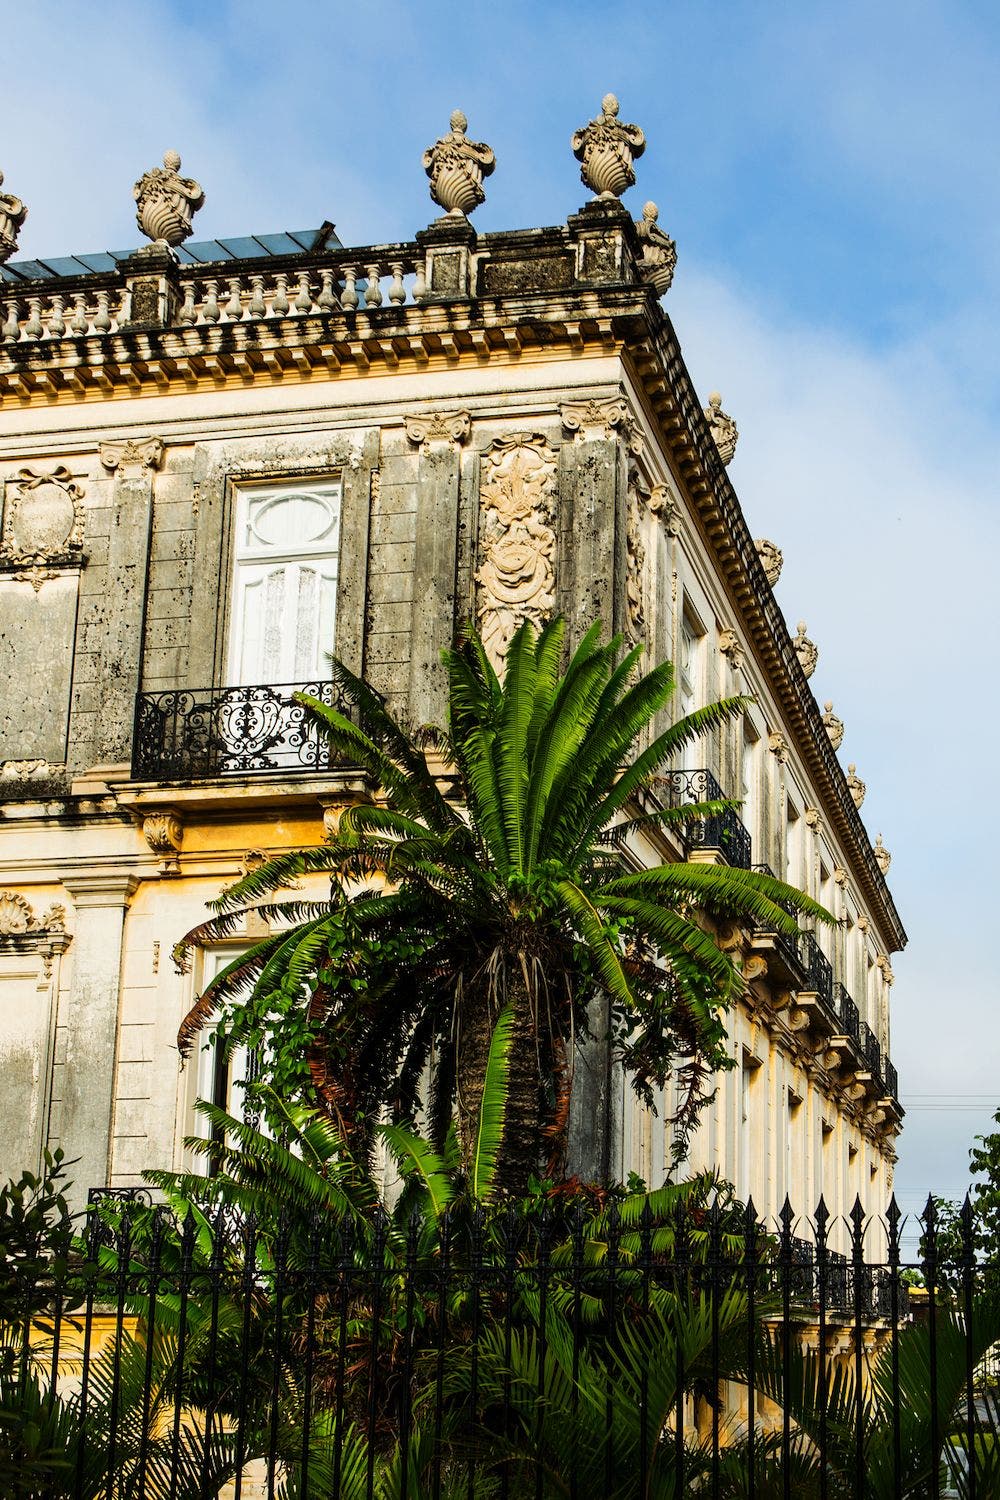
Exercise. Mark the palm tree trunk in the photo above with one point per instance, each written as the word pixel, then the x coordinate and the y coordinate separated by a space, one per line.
pixel 523 1140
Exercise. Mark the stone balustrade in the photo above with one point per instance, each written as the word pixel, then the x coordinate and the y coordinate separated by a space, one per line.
pixel 391 277
pixel 30 317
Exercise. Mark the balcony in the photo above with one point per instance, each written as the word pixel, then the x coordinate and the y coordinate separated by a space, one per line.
pixel 198 734
pixel 784 959
pixel 723 831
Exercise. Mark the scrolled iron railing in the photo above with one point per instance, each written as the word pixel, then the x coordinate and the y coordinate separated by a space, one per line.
pixel 722 831
pixel 819 971
pixel 192 734
pixel 847 1012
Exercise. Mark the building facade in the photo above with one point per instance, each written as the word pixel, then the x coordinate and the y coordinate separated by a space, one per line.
pixel 224 464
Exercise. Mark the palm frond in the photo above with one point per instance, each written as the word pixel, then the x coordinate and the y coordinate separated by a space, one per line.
pixel 492 1107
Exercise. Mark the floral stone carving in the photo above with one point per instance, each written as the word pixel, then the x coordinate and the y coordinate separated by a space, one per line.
pixel 723 428
pixel 833 725
pixel 43 525
pixel 659 252
pixel 517 544
pixel 635 565
pixel 806 651
pixel 167 202
pixel 606 149
pixel 855 785
pixel 12 215
pixel 772 559
pixel 17 917
pixel 456 167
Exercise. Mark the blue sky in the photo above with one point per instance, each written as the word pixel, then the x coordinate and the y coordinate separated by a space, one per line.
pixel 829 174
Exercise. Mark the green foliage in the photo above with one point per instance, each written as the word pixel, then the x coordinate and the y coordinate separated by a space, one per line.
pixel 519 892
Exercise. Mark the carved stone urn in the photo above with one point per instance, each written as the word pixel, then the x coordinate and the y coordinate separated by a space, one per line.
pixel 805 649
pixel 771 557
pixel 606 149
pixel 659 252
pixel 456 167
pixel 167 202
pixel 833 724
pixel 723 428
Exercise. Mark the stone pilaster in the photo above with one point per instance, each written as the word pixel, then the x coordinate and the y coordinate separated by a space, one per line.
pixel 101 899
pixel 592 493
pixel 440 436
pixel 133 462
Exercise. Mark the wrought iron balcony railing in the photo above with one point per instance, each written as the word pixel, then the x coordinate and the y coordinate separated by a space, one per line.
pixel 723 831
pixel 819 973
pixel 786 944
pixel 890 1078
pixel 192 734
pixel 847 1012
pixel 872 1052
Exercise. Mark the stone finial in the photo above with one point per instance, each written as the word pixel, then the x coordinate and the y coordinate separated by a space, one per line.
pixel 805 650
pixel 167 202
pixel 12 215
pixel 724 429
pixel 606 149
pixel 855 785
pixel 772 559
pixel 833 725
pixel 456 167
pixel 882 856
pixel 659 253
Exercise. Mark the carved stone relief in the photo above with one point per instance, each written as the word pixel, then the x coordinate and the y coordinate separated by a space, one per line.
pixel 517 544
pixel 635 563
pixel 661 502
pixel 429 428
pixel 833 725
pixel 594 419
pixel 731 649
pixel 778 746
pixel 723 428
pixel 166 202
pixel 12 215
pixel 456 167
pixel 805 649
pixel 42 525
pixel 659 252
pixel 606 149
pixel 133 457
pixel 772 559
pixel 20 928
pixel 882 856
pixel 855 785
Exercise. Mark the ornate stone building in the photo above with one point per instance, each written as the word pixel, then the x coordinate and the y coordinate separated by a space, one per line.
pixel 223 462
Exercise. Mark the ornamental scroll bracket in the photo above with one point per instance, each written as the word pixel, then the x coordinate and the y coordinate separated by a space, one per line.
pixel 43 526
pixel 589 420
pixel 22 931
pixel 517 540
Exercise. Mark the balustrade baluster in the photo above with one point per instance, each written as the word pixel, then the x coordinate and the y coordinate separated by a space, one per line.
pixel 419 283
pixel 234 307
pixel 102 319
pixel 33 328
pixel 79 324
pixel 397 291
pixel 349 298
pixel 303 301
pixel 12 325
pixel 373 291
pixel 211 311
pixel 327 299
pixel 188 313
pixel 258 307
pixel 279 302
pixel 57 323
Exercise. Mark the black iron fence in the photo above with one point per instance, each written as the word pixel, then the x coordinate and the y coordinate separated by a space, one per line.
pixel 195 733
pixel 568 1349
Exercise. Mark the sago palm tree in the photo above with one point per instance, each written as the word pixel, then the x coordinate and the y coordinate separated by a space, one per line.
pixel 490 869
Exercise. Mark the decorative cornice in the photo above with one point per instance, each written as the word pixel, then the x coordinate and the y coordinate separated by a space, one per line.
pixel 428 429
pixel 132 457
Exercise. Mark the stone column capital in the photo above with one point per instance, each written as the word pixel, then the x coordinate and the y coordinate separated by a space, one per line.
pixel 433 428
pixel 132 458
pixel 101 888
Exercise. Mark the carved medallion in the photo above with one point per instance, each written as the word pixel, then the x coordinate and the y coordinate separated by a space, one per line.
pixel 517 544
pixel 43 520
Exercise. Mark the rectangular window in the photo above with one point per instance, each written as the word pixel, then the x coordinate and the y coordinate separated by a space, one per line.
pixel 691 655
pixel 219 1079
pixel 283 615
